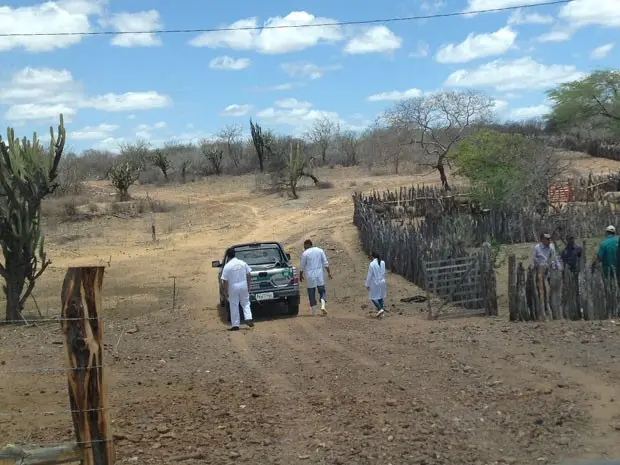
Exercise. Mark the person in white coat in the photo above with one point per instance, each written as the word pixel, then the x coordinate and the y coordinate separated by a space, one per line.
pixel 236 278
pixel 375 283
pixel 313 260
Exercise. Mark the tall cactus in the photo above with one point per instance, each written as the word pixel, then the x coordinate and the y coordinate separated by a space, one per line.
pixel 28 173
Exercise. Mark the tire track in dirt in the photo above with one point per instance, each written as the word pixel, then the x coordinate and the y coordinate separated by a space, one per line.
pixel 248 352
pixel 604 409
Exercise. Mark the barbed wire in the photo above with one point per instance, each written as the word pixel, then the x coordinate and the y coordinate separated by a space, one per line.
pixel 51 369
pixel 292 26
pixel 56 412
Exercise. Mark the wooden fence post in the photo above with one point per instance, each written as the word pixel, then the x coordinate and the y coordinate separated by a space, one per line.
pixel 512 287
pixel 81 305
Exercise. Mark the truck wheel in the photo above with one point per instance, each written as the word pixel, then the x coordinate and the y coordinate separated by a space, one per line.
pixel 293 305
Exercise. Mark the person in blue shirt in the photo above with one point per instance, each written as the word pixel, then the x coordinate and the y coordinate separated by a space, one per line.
pixel 607 252
pixel 571 256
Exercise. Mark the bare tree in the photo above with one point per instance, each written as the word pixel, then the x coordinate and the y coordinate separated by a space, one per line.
pixel 159 159
pixel 387 144
pixel 322 134
pixel 231 137
pixel 437 122
pixel 349 142
pixel 214 154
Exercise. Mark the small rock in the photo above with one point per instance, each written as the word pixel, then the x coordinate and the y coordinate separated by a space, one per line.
pixel 234 454
pixel 391 402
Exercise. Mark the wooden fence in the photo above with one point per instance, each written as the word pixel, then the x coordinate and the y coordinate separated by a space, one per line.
pixel 538 294
pixel 600 148
pixel 511 227
pixel 406 250
pixel 82 328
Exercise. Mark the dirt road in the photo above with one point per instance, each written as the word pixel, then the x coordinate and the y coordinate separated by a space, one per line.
pixel 342 389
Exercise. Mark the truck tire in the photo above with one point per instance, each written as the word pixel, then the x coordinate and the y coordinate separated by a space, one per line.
pixel 293 305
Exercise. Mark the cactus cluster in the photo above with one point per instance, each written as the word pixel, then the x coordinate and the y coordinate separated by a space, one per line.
pixel 28 173
pixel 123 175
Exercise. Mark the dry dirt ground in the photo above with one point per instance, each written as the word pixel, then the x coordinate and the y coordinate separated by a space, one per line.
pixel 341 389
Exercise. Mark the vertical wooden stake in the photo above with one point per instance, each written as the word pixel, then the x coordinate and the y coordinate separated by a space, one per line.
pixel 512 287
pixel 81 305
pixel 174 292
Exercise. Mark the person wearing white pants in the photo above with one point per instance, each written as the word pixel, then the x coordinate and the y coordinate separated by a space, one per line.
pixel 236 278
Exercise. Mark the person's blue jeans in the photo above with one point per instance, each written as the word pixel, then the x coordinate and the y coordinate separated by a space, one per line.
pixel 312 294
pixel 378 303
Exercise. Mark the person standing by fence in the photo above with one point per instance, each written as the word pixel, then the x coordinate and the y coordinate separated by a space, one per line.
pixel 313 260
pixel 375 283
pixel 544 255
pixel 571 257
pixel 607 253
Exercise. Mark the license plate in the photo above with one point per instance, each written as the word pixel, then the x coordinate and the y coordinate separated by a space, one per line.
pixel 264 296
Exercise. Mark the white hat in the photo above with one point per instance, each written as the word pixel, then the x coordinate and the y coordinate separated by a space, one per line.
pixel 610 229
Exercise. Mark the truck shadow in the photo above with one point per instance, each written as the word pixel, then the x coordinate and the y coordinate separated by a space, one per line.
pixel 265 312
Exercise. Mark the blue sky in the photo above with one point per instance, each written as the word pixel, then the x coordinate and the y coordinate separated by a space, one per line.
pixel 115 89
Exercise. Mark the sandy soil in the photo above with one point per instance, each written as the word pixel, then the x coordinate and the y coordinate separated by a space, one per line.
pixel 342 389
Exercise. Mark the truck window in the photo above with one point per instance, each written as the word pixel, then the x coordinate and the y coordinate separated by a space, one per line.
pixel 260 256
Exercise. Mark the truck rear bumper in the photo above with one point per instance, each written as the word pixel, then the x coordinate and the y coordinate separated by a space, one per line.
pixel 278 295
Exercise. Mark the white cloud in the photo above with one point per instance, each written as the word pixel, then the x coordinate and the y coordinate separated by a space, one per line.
pixel 37 93
pixel 473 5
pixel 559 34
pixel 529 112
pixel 47 17
pixel 229 63
pixel 145 131
pixel 129 101
pixel 307 70
pixel 421 51
pixel 477 46
pixel 273 41
pixel 140 21
pixel 517 74
pixel 293 104
pixel 394 95
pixel 580 13
pixel 433 6
pixel 377 39
pixel 236 110
pixel 39 112
pixel 110 144
pixel 300 115
pixel 602 51
pixel 519 17
pixel 101 131
pixel 500 106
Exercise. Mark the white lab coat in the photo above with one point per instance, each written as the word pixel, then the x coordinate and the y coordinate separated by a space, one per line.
pixel 375 280
pixel 313 260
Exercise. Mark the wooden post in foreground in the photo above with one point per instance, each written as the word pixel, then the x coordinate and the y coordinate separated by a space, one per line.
pixel 81 304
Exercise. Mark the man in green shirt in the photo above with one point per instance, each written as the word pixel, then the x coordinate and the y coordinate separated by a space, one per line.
pixel 607 252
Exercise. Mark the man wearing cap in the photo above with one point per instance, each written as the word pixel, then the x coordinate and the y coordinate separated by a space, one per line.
pixel 607 252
